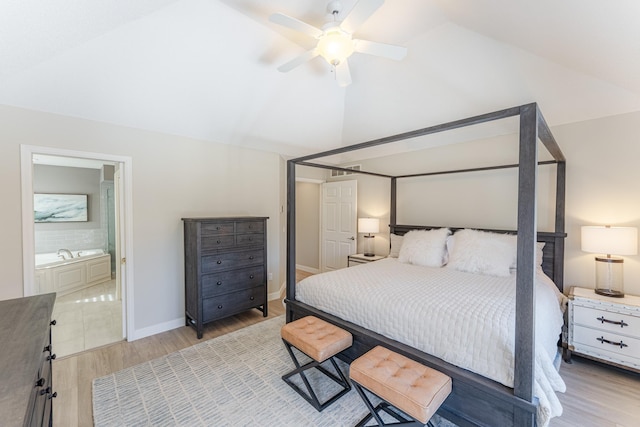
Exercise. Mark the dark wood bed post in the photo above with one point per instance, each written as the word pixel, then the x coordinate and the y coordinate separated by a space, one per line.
pixel 392 210
pixel 525 278
pixel 291 235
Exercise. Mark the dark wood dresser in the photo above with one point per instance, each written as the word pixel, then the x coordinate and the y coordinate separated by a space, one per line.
pixel 225 268
pixel 25 361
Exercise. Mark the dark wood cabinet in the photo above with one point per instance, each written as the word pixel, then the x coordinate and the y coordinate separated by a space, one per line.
pixel 26 358
pixel 225 268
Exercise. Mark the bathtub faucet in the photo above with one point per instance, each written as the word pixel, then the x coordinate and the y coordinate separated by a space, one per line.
pixel 67 251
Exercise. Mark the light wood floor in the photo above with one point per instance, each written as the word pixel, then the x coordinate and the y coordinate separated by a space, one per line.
pixel 73 375
pixel 597 395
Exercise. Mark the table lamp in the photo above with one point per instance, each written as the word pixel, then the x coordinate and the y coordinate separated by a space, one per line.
pixel 368 225
pixel 609 240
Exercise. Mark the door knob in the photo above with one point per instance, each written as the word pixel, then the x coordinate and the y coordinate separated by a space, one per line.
pixel 352 238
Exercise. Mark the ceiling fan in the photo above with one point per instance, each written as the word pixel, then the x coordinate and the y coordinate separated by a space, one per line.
pixel 335 41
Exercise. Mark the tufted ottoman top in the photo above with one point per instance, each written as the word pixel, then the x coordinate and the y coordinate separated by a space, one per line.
pixel 316 338
pixel 406 384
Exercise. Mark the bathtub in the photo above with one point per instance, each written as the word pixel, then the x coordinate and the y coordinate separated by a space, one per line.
pixel 63 275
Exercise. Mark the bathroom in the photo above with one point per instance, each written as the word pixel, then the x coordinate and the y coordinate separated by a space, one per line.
pixel 75 250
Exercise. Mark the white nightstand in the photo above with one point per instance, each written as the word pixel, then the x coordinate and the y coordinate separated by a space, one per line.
pixel 604 328
pixel 357 259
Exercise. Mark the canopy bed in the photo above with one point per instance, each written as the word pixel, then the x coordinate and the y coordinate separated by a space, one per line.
pixel 479 397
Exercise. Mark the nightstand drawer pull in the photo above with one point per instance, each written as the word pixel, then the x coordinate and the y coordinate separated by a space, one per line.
pixel 617 344
pixel 613 322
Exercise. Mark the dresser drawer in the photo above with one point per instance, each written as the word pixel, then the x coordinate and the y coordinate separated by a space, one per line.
pixel 607 343
pixel 230 281
pixel 216 228
pixel 231 260
pixel 618 323
pixel 250 227
pixel 250 239
pixel 228 304
pixel 217 242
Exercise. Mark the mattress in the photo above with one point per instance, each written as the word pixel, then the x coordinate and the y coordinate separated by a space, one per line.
pixel 465 319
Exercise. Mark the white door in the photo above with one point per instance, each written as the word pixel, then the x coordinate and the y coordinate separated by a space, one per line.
pixel 339 223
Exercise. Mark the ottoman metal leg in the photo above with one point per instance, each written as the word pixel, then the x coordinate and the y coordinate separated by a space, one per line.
pixel 386 407
pixel 310 396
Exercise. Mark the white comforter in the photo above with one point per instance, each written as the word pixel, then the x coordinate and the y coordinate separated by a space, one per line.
pixel 465 319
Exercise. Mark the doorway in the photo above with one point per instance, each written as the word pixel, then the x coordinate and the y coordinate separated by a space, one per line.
pixel 85 258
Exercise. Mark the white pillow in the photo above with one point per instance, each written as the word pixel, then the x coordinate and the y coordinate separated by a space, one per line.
pixel 396 244
pixel 425 247
pixel 481 252
pixel 511 240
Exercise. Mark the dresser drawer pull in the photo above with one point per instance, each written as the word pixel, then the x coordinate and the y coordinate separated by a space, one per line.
pixel 218 241
pixel 252 298
pixel 40 382
pixel 613 322
pixel 220 306
pixel 218 228
pixel 219 283
pixel 251 276
pixel 617 344
pixel 218 262
pixel 52 357
pixel 45 391
pixel 251 257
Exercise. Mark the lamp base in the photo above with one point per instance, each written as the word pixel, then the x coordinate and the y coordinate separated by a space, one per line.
pixel 610 293
pixel 369 246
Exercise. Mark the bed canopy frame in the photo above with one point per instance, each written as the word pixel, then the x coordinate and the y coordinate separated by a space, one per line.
pixel 475 400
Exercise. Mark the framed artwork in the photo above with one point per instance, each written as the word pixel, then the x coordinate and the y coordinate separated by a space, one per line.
pixel 60 207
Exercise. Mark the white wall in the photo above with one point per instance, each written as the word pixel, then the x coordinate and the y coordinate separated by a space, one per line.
pixel 173 177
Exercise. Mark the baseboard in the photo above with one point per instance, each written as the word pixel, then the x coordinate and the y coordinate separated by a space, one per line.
pixel 276 295
pixel 157 329
pixel 307 269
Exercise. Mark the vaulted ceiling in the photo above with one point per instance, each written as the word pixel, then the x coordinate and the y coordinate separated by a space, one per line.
pixel 206 69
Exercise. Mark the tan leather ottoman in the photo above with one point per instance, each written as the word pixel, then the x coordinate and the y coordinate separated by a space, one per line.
pixel 405 384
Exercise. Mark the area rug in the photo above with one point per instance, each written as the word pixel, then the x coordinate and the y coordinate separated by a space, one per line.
pixel 231 380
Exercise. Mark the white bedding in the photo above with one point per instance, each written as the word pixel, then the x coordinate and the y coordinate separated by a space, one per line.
pixel 463 318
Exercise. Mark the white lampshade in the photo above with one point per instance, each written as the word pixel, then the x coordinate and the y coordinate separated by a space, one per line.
pixel 610 240
pixel 368 225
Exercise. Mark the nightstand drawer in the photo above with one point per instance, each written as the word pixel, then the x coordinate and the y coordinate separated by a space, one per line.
pixel 618 323
pixel 607 343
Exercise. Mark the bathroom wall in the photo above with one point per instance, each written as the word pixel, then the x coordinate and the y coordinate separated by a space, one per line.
pixel 49 237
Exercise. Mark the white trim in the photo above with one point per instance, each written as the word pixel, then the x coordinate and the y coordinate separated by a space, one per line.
pixel 276 295
pixel 310 180
pixel 28 239
pixel 158 329
pixel 307 269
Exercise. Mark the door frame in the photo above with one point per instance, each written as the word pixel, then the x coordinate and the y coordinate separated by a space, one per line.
pixel 28 230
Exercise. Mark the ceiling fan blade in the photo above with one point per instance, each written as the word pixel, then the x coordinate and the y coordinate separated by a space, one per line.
pixel 307 56
pixel 295 24
pixel 360 13
pixel 343 75
pixel 380 49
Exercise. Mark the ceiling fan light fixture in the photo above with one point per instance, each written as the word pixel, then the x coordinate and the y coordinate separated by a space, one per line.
pixel 335 46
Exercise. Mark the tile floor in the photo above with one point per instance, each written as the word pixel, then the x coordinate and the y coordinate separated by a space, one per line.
pixel 86 319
